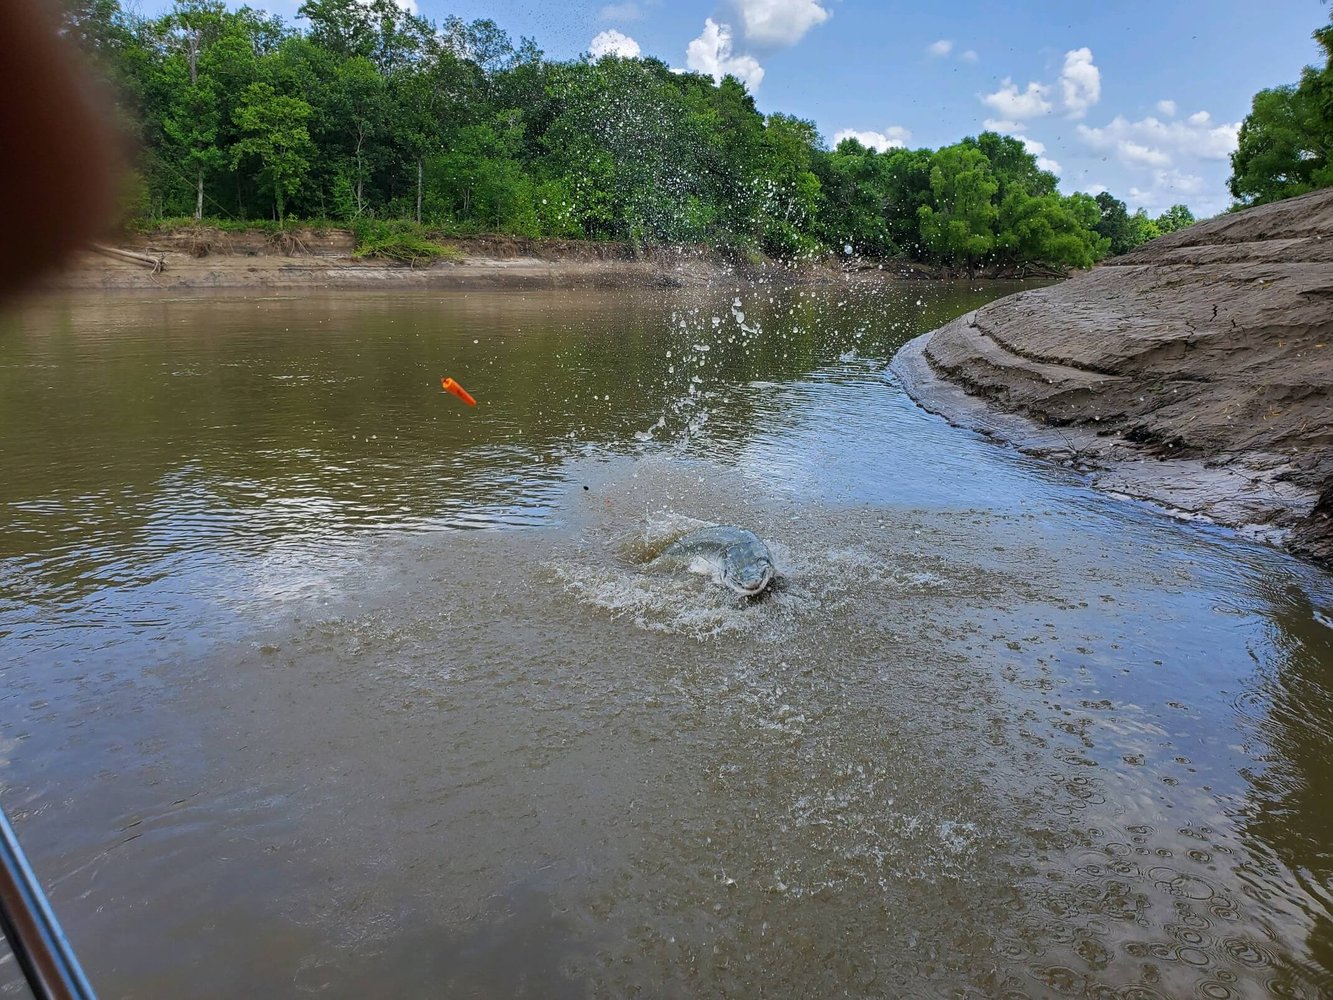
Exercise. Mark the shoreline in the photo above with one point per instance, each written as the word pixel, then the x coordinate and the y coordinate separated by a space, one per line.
pixel 1249 492
pixel 325 259
pixel 1195 373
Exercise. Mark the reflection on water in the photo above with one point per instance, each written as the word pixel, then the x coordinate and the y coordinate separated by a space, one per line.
pixel 271 717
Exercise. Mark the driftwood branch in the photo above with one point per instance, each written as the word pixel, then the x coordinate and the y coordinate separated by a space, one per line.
pixel 158 262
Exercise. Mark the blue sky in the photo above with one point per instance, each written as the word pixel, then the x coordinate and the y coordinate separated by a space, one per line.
pixel 1138 98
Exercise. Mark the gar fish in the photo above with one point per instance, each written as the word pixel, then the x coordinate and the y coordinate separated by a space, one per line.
pixel 733 557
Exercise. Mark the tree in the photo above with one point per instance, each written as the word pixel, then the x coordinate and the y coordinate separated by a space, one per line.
pixel 192 118
pixel 1051 229
pixel 429 101
pixel 1143 228
pixel 957 227
pixel 791 192
pixel 1015 169
pixel 1175 217
pixel 273 127
pixel 1285 145
pixel 1114 224
pixel 360 102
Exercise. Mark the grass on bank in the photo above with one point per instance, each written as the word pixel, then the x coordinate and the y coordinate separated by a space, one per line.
pixel 404 242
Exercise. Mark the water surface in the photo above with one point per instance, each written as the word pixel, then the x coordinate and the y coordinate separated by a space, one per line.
pixel 316 681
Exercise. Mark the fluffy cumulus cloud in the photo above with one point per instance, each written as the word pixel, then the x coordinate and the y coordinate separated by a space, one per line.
pixel 941 48
pixel 1080 82
pixel 1004 125
pixel 712 53
pixel 1152 142
pixel 1168 108
pixel 969 56
pixel 1168 157
pixel 893 137
pixel 1078 89
pixel 1014 105
pixel 1172 187
pixel 775 24
pixel 613 43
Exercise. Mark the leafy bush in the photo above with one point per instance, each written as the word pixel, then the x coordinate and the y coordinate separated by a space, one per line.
pixel 405 242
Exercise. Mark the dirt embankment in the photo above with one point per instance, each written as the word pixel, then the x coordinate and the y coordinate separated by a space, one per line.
pixel 1195 372
pixel 203 257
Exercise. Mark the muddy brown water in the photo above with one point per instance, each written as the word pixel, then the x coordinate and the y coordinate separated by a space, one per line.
pixel 315 681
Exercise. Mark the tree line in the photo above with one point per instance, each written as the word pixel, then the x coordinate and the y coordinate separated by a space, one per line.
pixel 371 113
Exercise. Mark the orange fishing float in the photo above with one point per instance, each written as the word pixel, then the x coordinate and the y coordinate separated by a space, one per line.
pixel 451 386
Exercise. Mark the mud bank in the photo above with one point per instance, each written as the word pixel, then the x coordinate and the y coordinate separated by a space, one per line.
pixel 1194 372
pixel 206 257
pixel 326 259
pixel 203 258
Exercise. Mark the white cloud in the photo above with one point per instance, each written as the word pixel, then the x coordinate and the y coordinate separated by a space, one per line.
pixel 1094 189
pixel 941 48
pixel 969 56
pixel 711 53
pixel 1172 187
pixel 1080 88
pixel 1167 108
pixel 1002 125
pixel 620 12
pixel 893 137
pixel 613 43
pixel 778 23
pixel 1014 104
pixel 1135 154
pixel 1151 141
pixel 1080 82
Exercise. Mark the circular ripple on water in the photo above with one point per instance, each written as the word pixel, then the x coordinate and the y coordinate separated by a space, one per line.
pixel 1181 884
pixel 1246 952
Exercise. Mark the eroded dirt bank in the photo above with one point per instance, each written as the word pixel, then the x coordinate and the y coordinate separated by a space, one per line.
pixel 1194 372
pixel 202 258
pixel 195 259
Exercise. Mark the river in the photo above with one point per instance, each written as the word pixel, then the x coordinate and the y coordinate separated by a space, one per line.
pixel 318 681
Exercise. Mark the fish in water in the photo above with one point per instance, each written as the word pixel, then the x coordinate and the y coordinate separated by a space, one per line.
pixel 733 557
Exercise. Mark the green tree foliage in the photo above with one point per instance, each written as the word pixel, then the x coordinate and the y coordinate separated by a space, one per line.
pixel 273 131
pixel 372 115
pixel 1114 225
pixel 1285 146
pixel 1175 217
pixel 958 227
pixel 1143 228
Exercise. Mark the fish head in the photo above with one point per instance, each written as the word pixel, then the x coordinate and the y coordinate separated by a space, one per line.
pixel 746 573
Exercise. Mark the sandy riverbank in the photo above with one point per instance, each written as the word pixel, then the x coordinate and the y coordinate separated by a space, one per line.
pixel 1196 372
pixel 210 258
pixel 203 258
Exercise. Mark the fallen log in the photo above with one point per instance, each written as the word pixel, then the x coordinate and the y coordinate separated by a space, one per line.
pixel 157 262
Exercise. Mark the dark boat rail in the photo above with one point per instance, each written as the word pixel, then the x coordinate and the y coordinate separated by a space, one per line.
pixel 39 945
